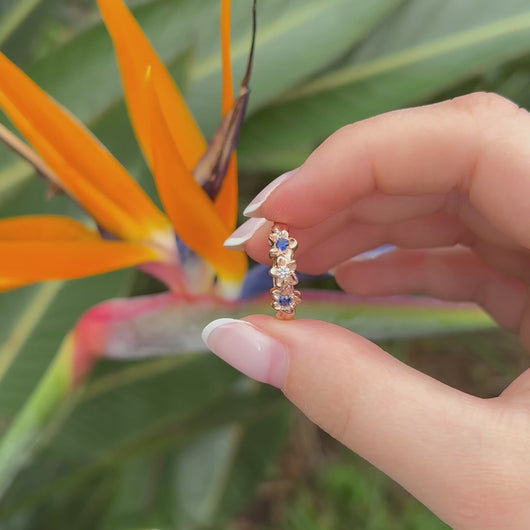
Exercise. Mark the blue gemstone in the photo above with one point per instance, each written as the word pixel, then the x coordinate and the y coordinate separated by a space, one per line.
pixel 284 300
pixel 282 243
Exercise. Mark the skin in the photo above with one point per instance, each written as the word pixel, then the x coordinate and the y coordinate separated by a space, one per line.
pixel 449 185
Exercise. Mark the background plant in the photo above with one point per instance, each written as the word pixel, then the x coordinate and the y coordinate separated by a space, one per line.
pixel 182 442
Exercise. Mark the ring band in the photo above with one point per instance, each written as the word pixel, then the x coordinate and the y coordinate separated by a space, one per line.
pixel 283 271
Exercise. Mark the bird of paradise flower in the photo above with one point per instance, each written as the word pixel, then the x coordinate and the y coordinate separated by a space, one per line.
pixel 196 182
pixel 182 247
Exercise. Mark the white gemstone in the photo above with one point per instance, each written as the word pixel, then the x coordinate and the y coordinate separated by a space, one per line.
pixel 284 272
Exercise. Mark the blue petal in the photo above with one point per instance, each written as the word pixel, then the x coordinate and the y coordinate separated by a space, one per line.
pixel 258 281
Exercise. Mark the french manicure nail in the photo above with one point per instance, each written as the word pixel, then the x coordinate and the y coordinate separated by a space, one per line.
pixel 244 233
pixel 252 210
pixel 374 253
pixel 247 349
pixel 365 256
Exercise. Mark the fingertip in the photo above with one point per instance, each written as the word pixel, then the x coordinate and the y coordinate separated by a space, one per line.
pixel 213 325
pixel 245 232
pixel 255 206
pixel 249 349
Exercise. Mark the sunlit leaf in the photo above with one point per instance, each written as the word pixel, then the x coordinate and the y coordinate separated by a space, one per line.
pixel 425 47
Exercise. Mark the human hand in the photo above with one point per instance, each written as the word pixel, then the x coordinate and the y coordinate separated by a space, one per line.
pixel 449 185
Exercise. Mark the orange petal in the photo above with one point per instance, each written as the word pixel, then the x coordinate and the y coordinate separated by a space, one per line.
pixel 40 247
pixel 192 212
pixel 87 171
pixel 135 55
pixel 7 284
pixel 228 89
pixel 45 228
pixel 26 262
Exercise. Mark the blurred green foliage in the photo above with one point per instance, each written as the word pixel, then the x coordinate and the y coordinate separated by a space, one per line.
pixel 347 495
pixel 182 442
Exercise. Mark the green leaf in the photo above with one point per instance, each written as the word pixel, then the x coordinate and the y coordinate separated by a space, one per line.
pixel 425 47
pixel 144 415
pixel 395 317
pixel 13 13
pixel 39 317
pixel 201 474
pixel 295 39
pixel 45 409
pixel 216 473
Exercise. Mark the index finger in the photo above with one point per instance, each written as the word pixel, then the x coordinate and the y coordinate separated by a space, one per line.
pixel 478 145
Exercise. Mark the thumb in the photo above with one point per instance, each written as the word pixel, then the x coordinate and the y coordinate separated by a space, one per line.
pixel 444 446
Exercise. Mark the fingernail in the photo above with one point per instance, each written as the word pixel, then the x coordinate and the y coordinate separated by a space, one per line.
pixel 247 349
pixel 374 253
pixel 244 233
pixel 331 271
pixel 365 256
pixel 252 210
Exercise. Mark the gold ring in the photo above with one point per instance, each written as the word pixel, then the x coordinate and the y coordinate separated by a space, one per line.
pixel 283 271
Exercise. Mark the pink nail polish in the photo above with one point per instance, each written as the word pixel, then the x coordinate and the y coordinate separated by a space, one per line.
pixel 252 210
pixel 249 350
pixel 245 232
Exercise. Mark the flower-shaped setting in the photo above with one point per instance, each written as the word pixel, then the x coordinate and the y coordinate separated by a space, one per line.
pixel 284 302
pixel 281 244
pixel 283 272
pixel 284 297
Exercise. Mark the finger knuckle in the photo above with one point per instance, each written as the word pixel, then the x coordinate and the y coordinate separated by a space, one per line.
pixel 342 137
pixel 481 104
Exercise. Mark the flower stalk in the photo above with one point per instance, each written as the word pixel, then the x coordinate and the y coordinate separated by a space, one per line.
pixel 41 415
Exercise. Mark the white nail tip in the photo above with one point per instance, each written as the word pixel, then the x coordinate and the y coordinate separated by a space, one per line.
pixel 373 254
pixel 208 329
pixel 244 233
pixel 251 208
pixel 263 195
pixel 235 243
